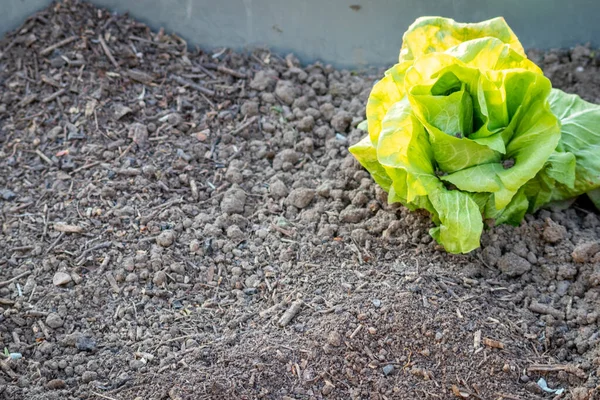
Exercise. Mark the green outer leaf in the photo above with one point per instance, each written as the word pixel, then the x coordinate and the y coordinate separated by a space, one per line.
pixel 366 155
pixel 437 34
pixel 403 144
pixel 385 93
pixel 515 211
pixel 460 221
pixel 561 167
pixel 580 130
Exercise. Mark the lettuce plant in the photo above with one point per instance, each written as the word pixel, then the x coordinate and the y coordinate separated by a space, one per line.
pixel 468 128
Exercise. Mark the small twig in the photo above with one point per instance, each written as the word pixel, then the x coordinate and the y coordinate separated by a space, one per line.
pixel 21 248
pixel 11 280
pixel 50 81
pixel 53 96
pixel 7 370
pixel 216 196
pixel 207 72
pixel 193 85
pixel 125 151
pixel 282 231
pixel 64 42
pixel 55 242
pixel 244 125
pixel 237 153
pixel 86 166
pixel 290 313
pixel 107 52
pixel 103 396
pixel 96 247
pixel 27 100
pixel 358 329
pixel 225 70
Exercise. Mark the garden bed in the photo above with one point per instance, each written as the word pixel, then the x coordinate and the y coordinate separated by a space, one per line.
pixel 184 225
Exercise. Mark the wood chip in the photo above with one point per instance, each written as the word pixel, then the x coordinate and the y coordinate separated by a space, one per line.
pixel 30 98
pixel 493 343
pixel 113 282
pixel 571 369
pixel 108 52
pixel 50 81
pixel 54 96
pixel 290 313
pixel 193 85
pixel 546 310
pixel 139 76
pixel 457 392
pixel 477 339
pixel 62 227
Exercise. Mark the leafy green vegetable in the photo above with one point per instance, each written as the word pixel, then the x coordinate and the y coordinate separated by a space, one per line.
pixel 466 127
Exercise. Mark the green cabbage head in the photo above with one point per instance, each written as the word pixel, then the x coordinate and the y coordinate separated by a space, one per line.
pixel 469 129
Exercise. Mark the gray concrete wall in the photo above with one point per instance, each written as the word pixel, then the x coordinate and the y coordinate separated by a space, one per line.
pixel 14 12
pixel 347 33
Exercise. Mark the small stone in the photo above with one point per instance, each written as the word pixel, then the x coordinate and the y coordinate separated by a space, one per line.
pixel 249 108
pixel 553 232
pixel 166 238
pixel 353 215
pixel 46 347
pixel 252 281
pixel 327 389
pixel 513 265
pixel 234 201
pixel 61 278
pixel 581 54
pixel 439 336
pixel 327 111
pixel 76 278
pixel 306 124
pixel 55 384
pixel 137 364
pixel 334 339
pixel 7 194
pixel 341 121
pixel 301 197
pixel 53 320
pixel 285 157
pixel 582 393
pixel 286 91
pixel 194 246
pixel 85 343
pixel 584 251
pixel 376 303
pixel 89 376
pixel 533 387
pixel 160 277
pixel 235 233
pixel 278 189
pixel 262 80
pixel 388 369
pixel 149 171
pixel 139 133
pixel 566 272
pixel 121 111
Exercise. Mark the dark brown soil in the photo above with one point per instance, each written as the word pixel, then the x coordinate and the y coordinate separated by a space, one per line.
pixel 184 225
